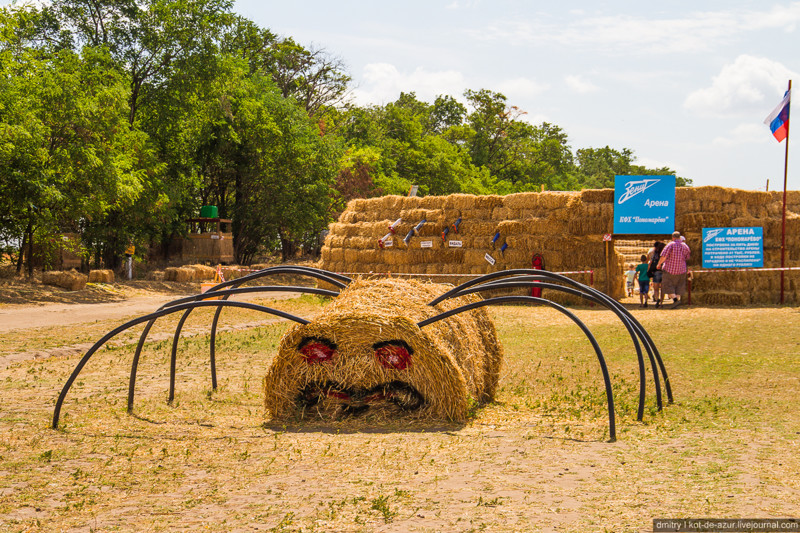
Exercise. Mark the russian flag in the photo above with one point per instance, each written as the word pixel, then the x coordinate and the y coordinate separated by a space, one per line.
pixel 778 120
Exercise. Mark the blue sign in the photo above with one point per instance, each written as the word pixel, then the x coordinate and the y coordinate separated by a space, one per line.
pixel 644 205
pixel 733 247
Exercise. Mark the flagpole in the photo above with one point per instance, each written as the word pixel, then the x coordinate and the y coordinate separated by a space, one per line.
pixel 783 221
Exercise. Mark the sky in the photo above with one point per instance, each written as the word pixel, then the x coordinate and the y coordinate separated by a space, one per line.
pixel 684 84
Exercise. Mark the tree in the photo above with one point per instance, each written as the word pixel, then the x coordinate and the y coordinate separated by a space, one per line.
pixel 145 37
pixel 598 166
pixel 67 152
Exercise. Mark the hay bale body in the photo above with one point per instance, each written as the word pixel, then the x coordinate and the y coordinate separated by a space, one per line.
pixel 155 275
pixel 203 272
pixel 101 276
pixel 566 228
pixel 179 274
pixel 451 363
pixel 72 280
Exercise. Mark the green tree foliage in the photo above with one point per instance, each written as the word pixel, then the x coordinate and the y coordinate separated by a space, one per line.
pixel 66 152
pixel 120 118
pixel 598 166
pixel 404 134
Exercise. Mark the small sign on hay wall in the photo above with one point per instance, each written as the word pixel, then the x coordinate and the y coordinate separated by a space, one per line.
pixel 454 244
pixel 644 205
pixel 426 244
pixel 733 247
pixel 489 259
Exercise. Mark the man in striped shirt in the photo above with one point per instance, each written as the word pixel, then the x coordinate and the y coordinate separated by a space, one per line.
pixel 673 264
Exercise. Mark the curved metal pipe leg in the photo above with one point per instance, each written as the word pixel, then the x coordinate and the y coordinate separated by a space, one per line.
pixel 652 352
pixel 135 364
pixel 523 281
pixel 173 358
pixel 212 346
pixel 612 427
pixel 146 318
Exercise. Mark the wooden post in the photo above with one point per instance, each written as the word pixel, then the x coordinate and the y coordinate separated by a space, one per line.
pixel 608 267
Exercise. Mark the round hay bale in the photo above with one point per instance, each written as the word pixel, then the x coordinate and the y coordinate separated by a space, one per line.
pixel 365 356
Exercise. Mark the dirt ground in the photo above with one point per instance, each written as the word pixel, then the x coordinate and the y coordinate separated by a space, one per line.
pixel 535 460
pixel 23 306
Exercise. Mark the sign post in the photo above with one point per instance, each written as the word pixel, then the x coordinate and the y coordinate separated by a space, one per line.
pixel 607 242
pixel 733 247
pixel 644 205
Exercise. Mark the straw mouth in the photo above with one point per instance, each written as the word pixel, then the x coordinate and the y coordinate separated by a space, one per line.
pixel 354 401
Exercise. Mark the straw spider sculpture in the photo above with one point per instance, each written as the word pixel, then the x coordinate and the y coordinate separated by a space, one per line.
pixel 387 347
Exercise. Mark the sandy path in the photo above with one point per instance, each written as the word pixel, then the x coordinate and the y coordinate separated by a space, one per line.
pixel 16 317
pixel 30 317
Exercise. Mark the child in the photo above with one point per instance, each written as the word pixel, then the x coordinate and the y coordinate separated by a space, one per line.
pixel 644 280
pixel 629 277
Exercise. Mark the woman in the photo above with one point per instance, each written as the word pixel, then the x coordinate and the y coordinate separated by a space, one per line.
pixel 653 256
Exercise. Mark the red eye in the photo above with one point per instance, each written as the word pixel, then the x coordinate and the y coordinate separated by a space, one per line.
pixel 395 355
pixel 317 350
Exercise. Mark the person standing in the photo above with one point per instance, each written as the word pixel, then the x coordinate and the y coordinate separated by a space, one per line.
pixel 630 275
pixel 673 265
pixel 129 251
pixel 644 281
pixel 653 256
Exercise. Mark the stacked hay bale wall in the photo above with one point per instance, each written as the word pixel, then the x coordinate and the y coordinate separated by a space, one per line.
pixel 718 207
pixel 566 228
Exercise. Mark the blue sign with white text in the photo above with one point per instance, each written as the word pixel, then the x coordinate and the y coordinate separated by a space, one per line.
pixel 733 247
pixel 644 205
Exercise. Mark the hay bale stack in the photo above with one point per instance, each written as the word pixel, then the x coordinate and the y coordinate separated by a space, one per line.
pixel 231 272
pixel 367 356
pixel 203 272
pixel 72 280
pixel 179 274
pixel 155 275
pixel 101 276
pixel 565 227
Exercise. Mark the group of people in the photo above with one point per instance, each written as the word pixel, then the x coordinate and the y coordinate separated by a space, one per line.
pixel 665 267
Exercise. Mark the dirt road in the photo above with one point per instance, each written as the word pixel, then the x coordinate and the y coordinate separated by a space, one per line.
pixel 16 316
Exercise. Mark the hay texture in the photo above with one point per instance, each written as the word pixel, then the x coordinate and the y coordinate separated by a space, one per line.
pixel 179 274
pixel 438 372
pixel 101 276
pixel 566 228
pixel 72 280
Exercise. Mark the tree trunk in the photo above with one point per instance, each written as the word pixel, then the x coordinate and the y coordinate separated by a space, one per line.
pixel 30 249
pixel 21 255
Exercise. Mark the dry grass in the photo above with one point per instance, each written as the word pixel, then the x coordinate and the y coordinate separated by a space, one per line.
pixel 534 460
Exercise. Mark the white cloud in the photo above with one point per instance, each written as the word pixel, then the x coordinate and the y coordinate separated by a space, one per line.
pixel 520 88
pixel 456 4
pixel 746 86
pixel 579 85
pixel 658 163
pixel 693 33
pixel 747 133
pixel 383 83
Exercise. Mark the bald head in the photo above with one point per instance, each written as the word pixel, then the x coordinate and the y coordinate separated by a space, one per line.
pixel 676 235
